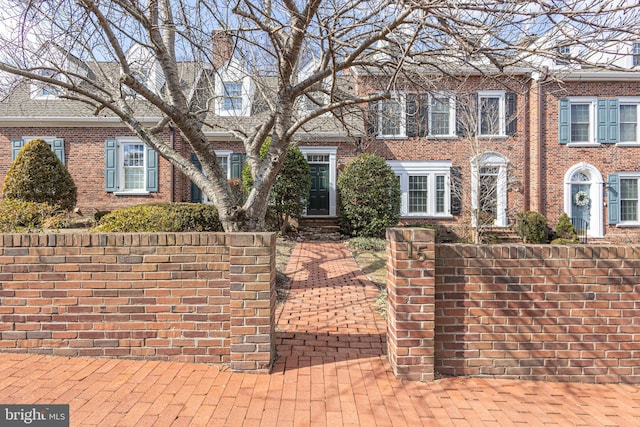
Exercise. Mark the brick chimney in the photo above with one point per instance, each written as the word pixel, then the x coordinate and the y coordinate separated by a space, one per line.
pixel 222 47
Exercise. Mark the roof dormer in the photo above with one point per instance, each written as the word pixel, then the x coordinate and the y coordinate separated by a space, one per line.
pixel 234 90
pixel 145 69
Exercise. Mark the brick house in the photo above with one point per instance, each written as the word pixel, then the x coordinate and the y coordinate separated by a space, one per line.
pixel 482 145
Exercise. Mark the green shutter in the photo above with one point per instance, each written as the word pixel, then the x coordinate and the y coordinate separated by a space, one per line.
pixel 613 185
pixel 607 121
pixel 196 193
pixel 511 119
pixel 411 111
pixel 110 165
pixel 57 145
pixel 16 146
pixel 152 170
pixel 237 163
pixel 563 122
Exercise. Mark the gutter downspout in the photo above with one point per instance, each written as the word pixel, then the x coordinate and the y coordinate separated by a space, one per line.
pixel 172 133
pixel 541 206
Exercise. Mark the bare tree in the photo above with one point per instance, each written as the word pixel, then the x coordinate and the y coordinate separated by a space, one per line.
pixel 74 47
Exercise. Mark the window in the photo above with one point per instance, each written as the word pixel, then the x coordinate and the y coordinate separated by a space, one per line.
pixel 231 164
pixel 442 115
pixel 391 116
pixel 56 144
pixel 491 113
pixel 425 187
pixel 489 189
pixel 577 121
pixel 629 117
pixel 636 54
pixel 130 167
pixel 232 100
pixel 629 200
pixel 564 54
pixel 42 90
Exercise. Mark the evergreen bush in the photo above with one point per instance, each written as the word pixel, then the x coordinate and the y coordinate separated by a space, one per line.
pixel 532 227
pixel 565 231
pixel 161 217
pixel 20 216
pixel 370 196
pixel 37 175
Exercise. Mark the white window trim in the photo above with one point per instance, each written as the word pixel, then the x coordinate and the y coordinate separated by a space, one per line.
pixel 219 153
pixel 401 98
pixel 233 72
pixel 48 139
pixel 452 115
pixel 596 195
pixel 627 175
pixel 630 100
pixel 120 168
pixel 405 168
pixel 592 101
pixel 491 159
pixel 501 112
pixel 38 88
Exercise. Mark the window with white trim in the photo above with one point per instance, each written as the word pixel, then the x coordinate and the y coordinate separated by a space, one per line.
pixel 491 113
pixel 577 121
pixel 42 90
pixel 629 200
pixel 232 100
pixel 425 187
pixel 392 116
pixel 131 167
pixel 636 54
pixel 442 115
pixel 628 121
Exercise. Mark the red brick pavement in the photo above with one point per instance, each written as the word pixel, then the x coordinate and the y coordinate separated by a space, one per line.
pixel 331 372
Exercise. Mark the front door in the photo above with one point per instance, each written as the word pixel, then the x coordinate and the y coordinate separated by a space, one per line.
pixel 319 194
pixel 581 206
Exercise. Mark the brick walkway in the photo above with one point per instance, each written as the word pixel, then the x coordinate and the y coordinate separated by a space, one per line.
pixel 332 371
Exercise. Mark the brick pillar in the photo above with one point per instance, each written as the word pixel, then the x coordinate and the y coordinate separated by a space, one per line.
pixel 411 306
pixel 252 277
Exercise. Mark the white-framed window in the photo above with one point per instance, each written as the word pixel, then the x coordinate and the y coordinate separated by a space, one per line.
pixel 628 119
pixel 577 121
pixel 42 90
pixel 491 113
pixel 232 100
pixel 442 115
pixel 56 144
pixel 391 120
pixel 564 55
pixel 131 167
pixel 636 54
pixel 629 199
pixel 425 187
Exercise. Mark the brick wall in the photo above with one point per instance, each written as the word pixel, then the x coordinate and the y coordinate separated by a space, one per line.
pixel 194 297
pixel 537 312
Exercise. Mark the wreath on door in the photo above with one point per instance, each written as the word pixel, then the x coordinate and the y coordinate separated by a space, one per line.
pixel 581 198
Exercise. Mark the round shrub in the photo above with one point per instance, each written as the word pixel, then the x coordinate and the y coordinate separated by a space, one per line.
pixel 565 231
pixel 370 196
pixel 21 216
pixel 37 175
pixel 532 227
pixel 161 217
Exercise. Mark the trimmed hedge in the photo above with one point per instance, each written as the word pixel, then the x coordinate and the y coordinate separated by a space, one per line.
pixel 161 217
pixel 17 216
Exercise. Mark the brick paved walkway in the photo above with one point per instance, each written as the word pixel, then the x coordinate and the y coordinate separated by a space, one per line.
pixel 332 371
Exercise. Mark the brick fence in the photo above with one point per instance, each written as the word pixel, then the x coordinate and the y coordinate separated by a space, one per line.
pixel 538 312
pixel 194 297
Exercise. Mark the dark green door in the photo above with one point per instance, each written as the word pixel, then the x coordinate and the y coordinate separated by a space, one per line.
pixel 319 194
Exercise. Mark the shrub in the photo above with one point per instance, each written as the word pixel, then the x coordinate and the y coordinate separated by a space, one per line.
pixel 367 244
pixel 158 217
pixel 37 175
pixel 565 231
pixel 21 216
pixel 532 227
pixel 370 196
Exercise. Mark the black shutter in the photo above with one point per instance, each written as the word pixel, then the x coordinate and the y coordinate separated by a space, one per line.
pixel 466 114
pixel 456 190
pixel 511 118
pixel 372 118
pixel 411 113
pixel 423 114
pixel 196 193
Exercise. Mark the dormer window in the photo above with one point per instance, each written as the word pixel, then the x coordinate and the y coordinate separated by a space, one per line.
pixel 564 54
pixel 232 100
pixel 42 90
pixel 636 54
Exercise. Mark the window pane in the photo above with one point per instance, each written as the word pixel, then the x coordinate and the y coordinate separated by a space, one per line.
pixel 629 199
pixel 440 116
pixel 579 122
pixel 224 163
pixel 390 120
pixel 133 166
pixel 439 194
pixel 489 116
pixel 417 194
pixel 628 123
pixel 233 96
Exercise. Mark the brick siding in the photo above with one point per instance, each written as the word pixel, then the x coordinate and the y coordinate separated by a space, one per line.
pixel 535 312
pixel 191 297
